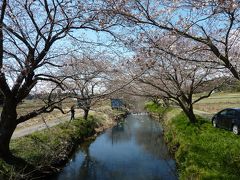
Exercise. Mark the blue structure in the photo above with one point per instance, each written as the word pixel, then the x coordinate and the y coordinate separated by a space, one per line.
pixel 117 104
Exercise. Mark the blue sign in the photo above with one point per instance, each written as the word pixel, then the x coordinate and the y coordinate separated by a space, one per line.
pixel 117 103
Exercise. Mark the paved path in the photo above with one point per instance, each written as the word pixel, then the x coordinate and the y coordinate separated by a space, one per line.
pixel 38 127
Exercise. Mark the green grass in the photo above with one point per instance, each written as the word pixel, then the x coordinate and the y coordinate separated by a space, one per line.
pixel 6 171
pixel 156 108
pixel 203 152
pixel 49 143
pixel 44 148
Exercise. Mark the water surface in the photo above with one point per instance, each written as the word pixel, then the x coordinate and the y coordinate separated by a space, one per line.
pixel 134 149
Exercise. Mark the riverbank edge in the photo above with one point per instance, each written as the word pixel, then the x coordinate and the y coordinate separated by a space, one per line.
pixel 90 130
pixel 200 150
pixel 161 114
pixel 164 115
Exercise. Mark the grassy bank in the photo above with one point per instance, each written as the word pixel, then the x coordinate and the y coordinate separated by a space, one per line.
pixel 49 149
pixel 201 151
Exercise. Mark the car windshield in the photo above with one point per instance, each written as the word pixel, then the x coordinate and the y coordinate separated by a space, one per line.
pixel 224 112
pixel 231 112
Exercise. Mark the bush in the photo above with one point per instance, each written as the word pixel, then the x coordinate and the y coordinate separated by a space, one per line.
pixel 155 108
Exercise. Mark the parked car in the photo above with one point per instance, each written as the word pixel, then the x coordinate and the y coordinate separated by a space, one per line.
pixel 228 119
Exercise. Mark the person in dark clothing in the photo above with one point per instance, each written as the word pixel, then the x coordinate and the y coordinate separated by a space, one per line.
pixel 72 113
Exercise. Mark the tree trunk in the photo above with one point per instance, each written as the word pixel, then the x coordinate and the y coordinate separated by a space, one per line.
pixel 188 110
pixel 85 115
pixel 191 116
pixel 7 126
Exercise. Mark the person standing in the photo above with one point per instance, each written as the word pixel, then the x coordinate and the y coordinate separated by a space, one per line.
pixel 72 113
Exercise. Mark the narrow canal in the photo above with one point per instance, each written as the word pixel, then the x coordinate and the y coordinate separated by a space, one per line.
pixel 134 149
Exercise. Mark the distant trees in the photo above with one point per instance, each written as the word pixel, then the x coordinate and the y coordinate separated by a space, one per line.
pixel 86 79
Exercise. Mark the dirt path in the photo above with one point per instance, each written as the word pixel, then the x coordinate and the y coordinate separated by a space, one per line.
pixel 23 131
pixel 204 114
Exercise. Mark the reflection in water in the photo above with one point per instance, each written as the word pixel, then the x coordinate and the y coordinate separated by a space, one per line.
pixel 132 150
pixel 119 133
pixel 149 137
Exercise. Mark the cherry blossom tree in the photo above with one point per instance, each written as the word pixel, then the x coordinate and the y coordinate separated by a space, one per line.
pixel 31 36
pixel 87 78
pixel 179 81
pixel 212 26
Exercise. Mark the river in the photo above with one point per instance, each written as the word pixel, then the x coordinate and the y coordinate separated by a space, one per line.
pixel 132 150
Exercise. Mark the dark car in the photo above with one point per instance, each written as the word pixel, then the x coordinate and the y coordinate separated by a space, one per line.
pixel 228 119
